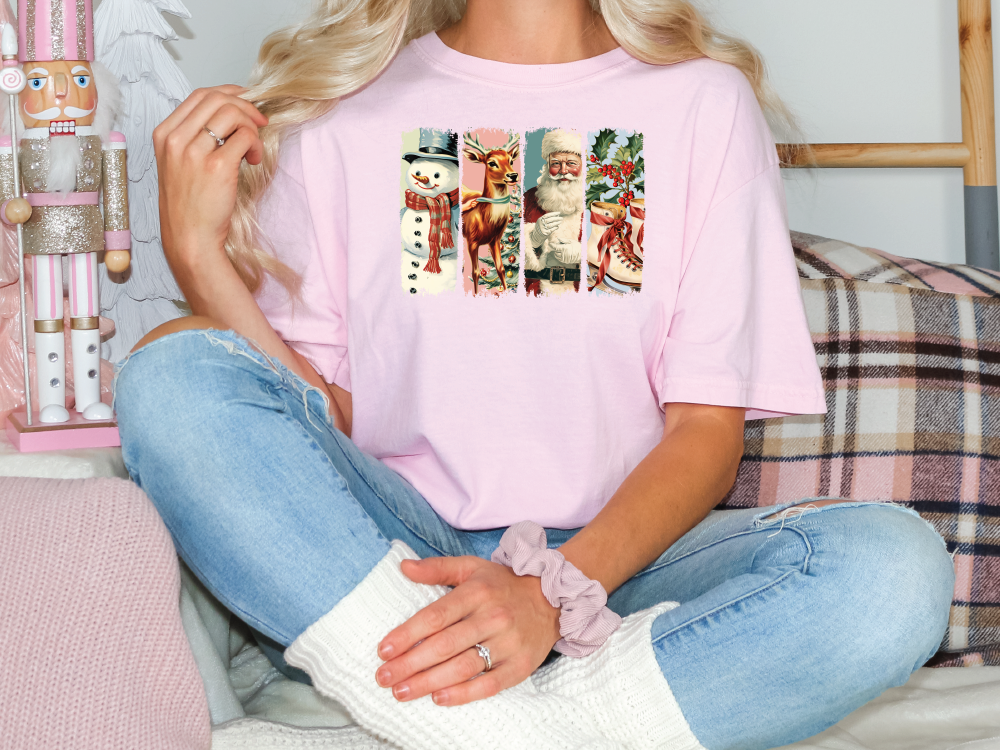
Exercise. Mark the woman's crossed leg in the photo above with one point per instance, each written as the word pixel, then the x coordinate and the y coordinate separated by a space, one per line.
pixel 787 621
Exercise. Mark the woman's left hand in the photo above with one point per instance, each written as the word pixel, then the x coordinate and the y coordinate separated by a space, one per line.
pixel 489 605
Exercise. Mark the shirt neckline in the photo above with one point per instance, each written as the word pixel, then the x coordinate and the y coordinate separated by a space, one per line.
pixel 438 53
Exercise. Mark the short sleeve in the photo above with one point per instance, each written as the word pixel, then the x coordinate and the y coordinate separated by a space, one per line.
pixel 738 334
pixel 313 323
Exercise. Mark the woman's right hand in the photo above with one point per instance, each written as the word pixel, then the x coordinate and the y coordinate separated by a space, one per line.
pixel 197 177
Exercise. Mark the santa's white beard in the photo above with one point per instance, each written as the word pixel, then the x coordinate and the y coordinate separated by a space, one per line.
pixel 562 196
pixel 64 160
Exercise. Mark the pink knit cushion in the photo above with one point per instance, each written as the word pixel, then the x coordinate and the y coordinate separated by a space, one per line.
pixel 91 641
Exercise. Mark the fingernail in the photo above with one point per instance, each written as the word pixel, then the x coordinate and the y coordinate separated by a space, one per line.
pixel 401 691
pixel 383 677
pixel 385 651
pixel 440 697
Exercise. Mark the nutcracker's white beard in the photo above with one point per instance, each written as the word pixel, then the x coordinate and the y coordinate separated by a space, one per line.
pixel 564 196
pixel 64 150
pixel 64 160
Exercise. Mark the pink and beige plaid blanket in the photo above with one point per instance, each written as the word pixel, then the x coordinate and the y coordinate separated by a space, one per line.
pixel 910 355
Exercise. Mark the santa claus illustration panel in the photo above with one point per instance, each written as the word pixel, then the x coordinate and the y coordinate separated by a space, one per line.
pixel 616 211
pixel 491 211
pixel 553 212
pixel 429 215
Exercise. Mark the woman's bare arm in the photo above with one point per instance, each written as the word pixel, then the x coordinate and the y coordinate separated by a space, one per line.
pixel 665 496
pixel 198 183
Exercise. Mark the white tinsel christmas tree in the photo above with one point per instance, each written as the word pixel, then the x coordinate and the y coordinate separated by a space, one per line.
pixel 128 39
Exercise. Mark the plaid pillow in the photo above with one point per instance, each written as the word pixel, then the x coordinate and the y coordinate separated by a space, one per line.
pixel 910 356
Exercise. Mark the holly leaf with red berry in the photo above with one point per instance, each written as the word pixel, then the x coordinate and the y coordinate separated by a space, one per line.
pixel 602 143
pixel 615 171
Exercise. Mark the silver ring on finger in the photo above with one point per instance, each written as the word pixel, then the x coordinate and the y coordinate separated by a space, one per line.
pixel 485 653
pixel 218 141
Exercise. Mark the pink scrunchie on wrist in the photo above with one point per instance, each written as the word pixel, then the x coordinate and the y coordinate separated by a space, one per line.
pixel 585 622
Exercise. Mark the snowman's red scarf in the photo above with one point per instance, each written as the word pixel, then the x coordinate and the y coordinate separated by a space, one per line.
pixel 439 235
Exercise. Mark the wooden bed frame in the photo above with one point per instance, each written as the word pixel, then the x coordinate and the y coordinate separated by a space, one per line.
pixel 976 154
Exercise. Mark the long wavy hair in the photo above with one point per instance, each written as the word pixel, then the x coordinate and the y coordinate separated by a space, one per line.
pixel 302 72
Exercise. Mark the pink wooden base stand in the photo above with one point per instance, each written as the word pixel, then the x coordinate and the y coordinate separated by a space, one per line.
pixel 76 433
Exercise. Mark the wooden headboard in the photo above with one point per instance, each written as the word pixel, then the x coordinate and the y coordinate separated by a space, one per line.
pixel 976 154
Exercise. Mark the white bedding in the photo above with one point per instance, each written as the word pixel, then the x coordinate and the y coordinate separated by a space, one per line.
pixel 83 463
pixel 253 705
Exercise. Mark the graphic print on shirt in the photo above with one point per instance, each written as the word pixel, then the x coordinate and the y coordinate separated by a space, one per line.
pixel 429 216
pixel 491 210
pixel 616 211
pixel 553 212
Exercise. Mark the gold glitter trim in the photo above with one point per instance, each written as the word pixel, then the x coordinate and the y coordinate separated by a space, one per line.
pixel 81 30
pixel 34 164
pixel 84 324
pixel 6 177
pixel 58 24
pixel 115 190
pixel 48 326
pixel 53 230
pixel 29 51
pixel 35 160
pixel 89 178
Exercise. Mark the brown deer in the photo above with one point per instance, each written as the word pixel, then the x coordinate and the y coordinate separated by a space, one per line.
pixel 485 213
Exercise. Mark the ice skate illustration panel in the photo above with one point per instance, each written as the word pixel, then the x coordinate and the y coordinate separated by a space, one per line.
pixel 491 211
pixel 553 212
pixel 429 214
pixel 616 211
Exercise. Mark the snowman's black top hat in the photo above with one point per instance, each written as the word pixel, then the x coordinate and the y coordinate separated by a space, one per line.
pixel 435 144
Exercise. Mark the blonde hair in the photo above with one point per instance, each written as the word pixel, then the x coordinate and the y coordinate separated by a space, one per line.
pixel 304 70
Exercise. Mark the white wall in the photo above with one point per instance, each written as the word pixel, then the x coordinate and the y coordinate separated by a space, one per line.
pixel 854 70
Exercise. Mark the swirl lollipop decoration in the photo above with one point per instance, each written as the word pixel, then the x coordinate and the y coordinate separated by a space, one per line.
pixel 12 79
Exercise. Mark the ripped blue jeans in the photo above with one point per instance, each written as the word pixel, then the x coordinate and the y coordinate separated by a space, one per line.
pixel 790 617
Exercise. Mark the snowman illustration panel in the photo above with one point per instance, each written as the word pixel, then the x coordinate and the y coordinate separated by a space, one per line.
pixel 553 212
pixel 429 217
pixel 491 211
pixel 616 211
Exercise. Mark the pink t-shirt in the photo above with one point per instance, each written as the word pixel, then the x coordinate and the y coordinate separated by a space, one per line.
pixel 664 273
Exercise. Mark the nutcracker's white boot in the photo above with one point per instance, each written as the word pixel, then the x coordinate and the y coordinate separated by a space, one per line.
pixel 614 699
pixel 86 345
pixel 637 212
pixel 50 357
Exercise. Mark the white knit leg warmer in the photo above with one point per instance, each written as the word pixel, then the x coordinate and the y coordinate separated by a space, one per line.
pixel 614 699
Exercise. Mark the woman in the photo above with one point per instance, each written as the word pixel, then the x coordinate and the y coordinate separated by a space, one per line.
pixel 330 457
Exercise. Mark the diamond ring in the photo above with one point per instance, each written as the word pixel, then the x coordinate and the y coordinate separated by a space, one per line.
pixel 485 653
pixel 219 141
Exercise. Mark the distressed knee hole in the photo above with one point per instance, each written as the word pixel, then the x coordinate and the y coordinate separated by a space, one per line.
pixel 802 508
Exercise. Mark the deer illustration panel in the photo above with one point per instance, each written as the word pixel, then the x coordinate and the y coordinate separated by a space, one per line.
pixel 616 211
pixel 553 212
pixel 491 211
pixel 429 218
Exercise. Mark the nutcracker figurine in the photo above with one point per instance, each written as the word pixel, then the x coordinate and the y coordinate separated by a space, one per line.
pixel 65 163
